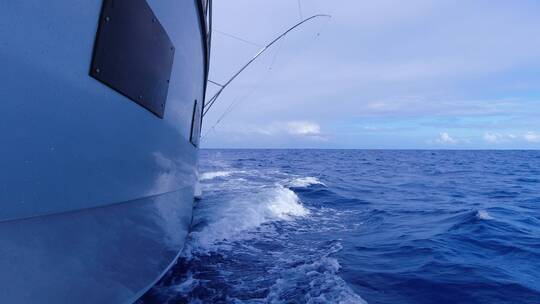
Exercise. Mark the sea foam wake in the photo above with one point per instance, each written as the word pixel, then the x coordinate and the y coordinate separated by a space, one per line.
pixel 314 226
pixel 214 174
pixel 305 182
pixel 237 218
pixel 249 245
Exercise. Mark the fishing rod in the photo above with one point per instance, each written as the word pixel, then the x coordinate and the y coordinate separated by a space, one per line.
pixel 213 99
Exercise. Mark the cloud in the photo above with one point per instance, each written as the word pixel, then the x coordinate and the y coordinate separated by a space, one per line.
pixel 532 137
pixel 498 138
pixel 494 138
pixel 446 139
pixel 293 129
pixel 303 128
pixel 411 68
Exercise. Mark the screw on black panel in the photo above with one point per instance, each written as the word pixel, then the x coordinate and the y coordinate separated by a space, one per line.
pixel 140 97
pixel 107 19
pixel 97 70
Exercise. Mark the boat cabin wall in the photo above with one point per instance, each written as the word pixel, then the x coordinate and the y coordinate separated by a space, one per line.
pixel 70 142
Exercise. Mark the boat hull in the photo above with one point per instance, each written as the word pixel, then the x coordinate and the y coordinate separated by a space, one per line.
pixel 108 254
pixel 96 192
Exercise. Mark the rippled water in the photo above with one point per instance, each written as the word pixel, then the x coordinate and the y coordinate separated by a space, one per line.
pixel 346 226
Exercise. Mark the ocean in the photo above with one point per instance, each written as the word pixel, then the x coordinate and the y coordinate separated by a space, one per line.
pixel 361 226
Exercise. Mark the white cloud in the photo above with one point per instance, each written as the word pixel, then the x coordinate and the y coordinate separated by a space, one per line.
pixel 296 128
pixel 494 138
pixel 446 139
pixel 532 137
pixel 497 138
pixel 306 128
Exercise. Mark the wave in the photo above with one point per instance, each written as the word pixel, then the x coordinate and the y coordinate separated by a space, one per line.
pixel 197 193
pixel 232 219
pixel 215 174
pixel 247 243
pixel 188 284
pixel 325 286
pixel 483 215
pixel 469 220
pixel 303 182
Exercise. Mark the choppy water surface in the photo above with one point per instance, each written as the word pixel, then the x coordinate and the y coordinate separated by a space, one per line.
pixel 345 226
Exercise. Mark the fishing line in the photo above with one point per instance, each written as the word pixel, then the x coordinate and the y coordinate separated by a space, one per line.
pixel 275 56
pixel 216 95
pixel 300 10
pixel 213 82
pixel 238 38
pixel 238 100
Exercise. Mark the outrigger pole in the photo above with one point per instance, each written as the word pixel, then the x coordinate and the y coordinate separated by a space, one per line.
pixel 212 100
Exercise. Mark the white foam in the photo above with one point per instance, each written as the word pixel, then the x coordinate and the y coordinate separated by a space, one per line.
pixel 284 204
pixel 483 215
pixel 198 190
pixel 307 181
pixel 325 286
pixel 215 174
pixel 230 220
pixel 187 285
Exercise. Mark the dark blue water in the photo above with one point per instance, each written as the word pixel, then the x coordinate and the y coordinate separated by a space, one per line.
pixel 345 226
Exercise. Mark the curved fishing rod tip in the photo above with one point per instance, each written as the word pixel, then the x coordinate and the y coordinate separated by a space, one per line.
pixel 212 100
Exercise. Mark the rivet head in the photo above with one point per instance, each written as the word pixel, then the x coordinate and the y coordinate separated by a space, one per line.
pixel 97 70
pixel 107 19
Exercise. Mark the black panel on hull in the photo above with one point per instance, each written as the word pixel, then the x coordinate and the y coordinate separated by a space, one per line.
pixel 133 53
pixel 196 124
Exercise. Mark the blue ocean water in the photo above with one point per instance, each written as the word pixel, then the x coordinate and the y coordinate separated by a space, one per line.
pixel 355 226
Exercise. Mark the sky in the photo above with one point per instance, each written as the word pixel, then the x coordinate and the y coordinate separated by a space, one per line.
pixel 377 75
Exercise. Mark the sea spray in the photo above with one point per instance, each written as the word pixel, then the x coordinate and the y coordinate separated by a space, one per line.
pixel 214 174
pixel 483 215
pixel 301 182
pixel 234 219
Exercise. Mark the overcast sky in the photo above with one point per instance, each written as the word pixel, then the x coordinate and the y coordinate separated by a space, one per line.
pixel 381 74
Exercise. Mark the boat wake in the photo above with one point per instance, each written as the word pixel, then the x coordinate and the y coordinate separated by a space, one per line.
pixel 214 174
pixel 238 218
pixel 253 241
pixel 302 182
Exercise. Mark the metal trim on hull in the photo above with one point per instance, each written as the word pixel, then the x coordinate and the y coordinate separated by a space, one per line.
pixel 206 31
